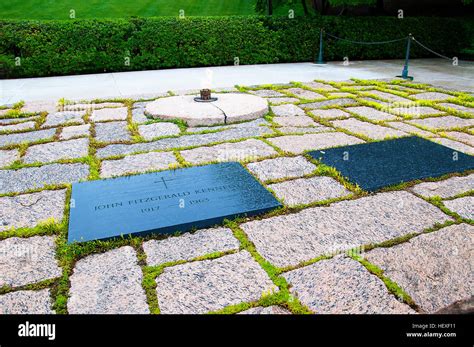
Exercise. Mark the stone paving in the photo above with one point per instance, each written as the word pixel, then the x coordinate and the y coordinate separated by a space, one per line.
pixel 420 235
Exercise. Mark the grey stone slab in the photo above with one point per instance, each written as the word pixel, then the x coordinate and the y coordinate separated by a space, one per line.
pixel 106 114
pixel 458 108
pixel 371 113
pixel 7 121
pixel 343 286
pixel 415 111
pixel 308 190
pixel 239 151
pixel 283 167
pixel 27 260
pixel 462 137
pixel 304 94
pixel 328 103
pixel 373 131
pixel 26 302
pixel 8 157
pixel 445 189
pixel 211 285
pixel 411 129
pixel 62 118
pixel 462 206
pixel 108 283
pixel 279 101
pixel 154 130
pixel 17 127
pixel 184 141
pixel 252 124
pixel 37 177
pixel 290 239
pixel 297 144
pixel 266 93
pixel 287 110
pixel 330 114
pixel 32 136
pixel 138 116
pixel 387 96
pixel 432 96
pixel 31 209
pixel 190 246
pixel 448 122
pixel 341 95
pixel 137 163
pixel 295 121
pixel 318 85
pixel 303 130
pixel 70 132
pixel 386 104
pixel 112 132
pixel 266 310
pixel 52 151
pixel 92 106
pixel 39 106
pixel 457 146
pixel 435 269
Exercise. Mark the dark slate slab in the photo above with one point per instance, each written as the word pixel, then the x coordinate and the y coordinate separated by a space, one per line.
pixel 153 203
pixel 381 164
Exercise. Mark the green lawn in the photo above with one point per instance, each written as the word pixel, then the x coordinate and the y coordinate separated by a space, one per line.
pixel 59 9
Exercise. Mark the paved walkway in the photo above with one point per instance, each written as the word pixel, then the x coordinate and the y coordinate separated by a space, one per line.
pixel 435 71
pixel 411 248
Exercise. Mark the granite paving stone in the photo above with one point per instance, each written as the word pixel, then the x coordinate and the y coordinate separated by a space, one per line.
pixel 39 106
pixel 411 129
pixel 239 151
pixel 230 134
pixel 415 111
pixel 190 246
pixel 31 209
pixel 91 106
pixel 112 132
pixel 8 157
pixel 462 137
pixel 447 122
pixel 328 103
pixel 318 85
pixel 106 114
pixel 296 121
pixel 17 127
pixel 26 302
pixel 457 146
pixel 27 260
pixel 154 130
pixel 137 163
pixel 371 113
pixel 459 108
pixel 290 239
pixel 304 94
pixel 432 96
pixel 297 144
pixel 287 110
pixel 211 285
pixel 70 132
pixel 281 100
pixel 373 131
pixel 445 189
pixel 343 286
pixel 387 96
pixel 31 136
pixel 330 113
pixel 108 283
pixel 138 116
pixel 435 269
pixel 25 179
pixel 304 130
pixel 62 118
pixel 266 93
pixel 7 121
pixel 462 206
pixel 266 310
pixel 52 151
pixel 283 167
pixel 308 190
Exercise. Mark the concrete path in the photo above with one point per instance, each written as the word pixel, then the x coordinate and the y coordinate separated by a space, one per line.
pixel 434 71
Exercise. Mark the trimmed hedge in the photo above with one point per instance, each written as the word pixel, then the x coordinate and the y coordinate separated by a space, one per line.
pixel 48 48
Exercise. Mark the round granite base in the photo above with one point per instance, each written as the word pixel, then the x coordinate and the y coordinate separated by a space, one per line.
pixel 229 108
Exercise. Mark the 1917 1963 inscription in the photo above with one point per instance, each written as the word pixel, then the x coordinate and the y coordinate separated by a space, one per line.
pixel 165 202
